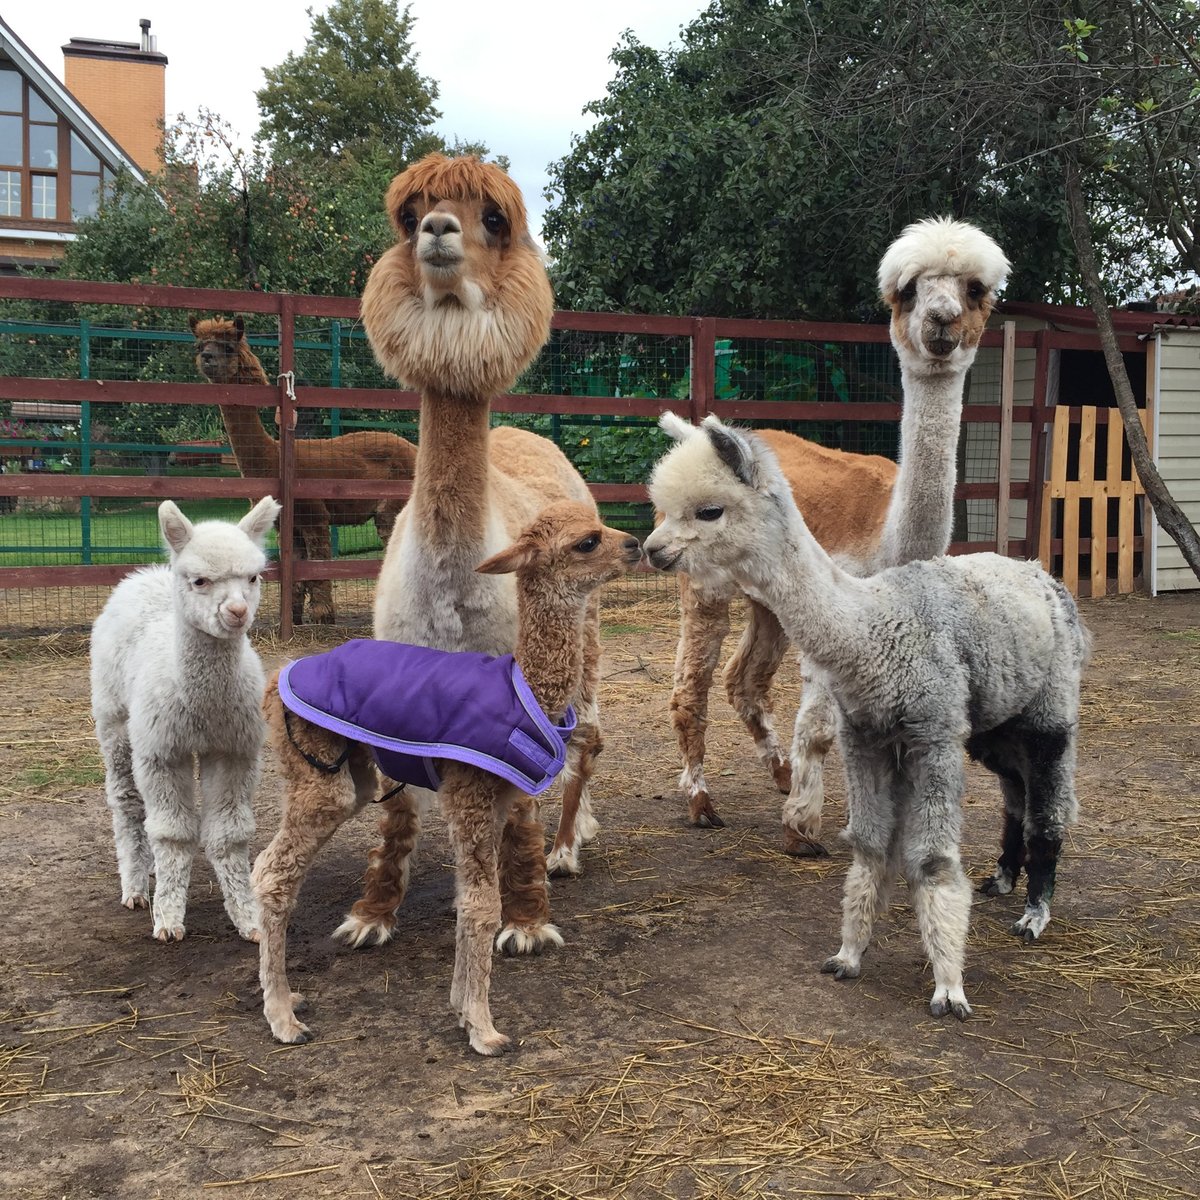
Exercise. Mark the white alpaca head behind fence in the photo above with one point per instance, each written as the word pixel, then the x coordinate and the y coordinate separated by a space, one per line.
pixel 217 566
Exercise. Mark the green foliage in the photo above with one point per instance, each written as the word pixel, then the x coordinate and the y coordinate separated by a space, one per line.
pixel 353 87
pixel 760 168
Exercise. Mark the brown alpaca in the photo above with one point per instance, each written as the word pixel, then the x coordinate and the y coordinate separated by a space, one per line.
pixel 559 562
pixel 939 278
pixel 223 356
pixel 458 308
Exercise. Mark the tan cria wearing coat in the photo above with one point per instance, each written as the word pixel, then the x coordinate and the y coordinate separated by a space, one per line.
pixel 458 308
pixel 223 356
pixel 559 562
pixel 939 279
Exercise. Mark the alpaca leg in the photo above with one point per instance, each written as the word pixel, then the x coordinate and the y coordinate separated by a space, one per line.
pixel 385 519
pixel 941 891
pixel 372 918
pixel 173 829
pixel 577 823
pixel 1051 809
pixel 134 860
pixel 1012 840
pixel 873 798
pixel 816 729
pixel 704 622
pixel 226 826
pixel 524 894
pixel 318 546
pixel 748 676
pixel 299 586
pixel 468 800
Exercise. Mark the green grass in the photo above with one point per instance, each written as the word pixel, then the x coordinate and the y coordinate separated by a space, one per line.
pixel 126 531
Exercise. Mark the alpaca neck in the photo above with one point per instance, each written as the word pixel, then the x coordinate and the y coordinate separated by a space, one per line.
pixel 256 452
pixel 550 649
pixel 219 657
pixel 449 503
pixel 920 515
pixel 823 609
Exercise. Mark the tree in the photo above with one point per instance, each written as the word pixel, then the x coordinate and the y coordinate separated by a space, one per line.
pixel 355 85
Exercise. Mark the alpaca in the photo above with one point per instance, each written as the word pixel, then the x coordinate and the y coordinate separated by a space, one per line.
pixel 176 684
pixel 939 277
pixel 558 562
pixel 919 660
pixel 223 356
pixel 457 308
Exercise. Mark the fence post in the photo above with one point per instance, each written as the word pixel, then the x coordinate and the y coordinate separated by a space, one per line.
pixel 287 461
pixel 704 368
pixel 1037 445
pixel 85 441
pixel 1004 464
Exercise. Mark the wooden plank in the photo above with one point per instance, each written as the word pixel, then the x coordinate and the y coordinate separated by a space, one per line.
pixel 1125 539
pixel 1044 523
pixel 1060 441
pixel 1099 539
pixel 1004 463
pixel 1070 569
pixel 1087 446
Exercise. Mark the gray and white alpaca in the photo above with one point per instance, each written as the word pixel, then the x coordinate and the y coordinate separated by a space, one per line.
pixel 176 683
pixel 921 660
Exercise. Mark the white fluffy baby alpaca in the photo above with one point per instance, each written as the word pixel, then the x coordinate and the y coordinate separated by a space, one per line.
pixel 176 684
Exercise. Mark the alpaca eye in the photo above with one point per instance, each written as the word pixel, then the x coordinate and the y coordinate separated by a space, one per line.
pixel 200 583
pixel 408 222
pixel 494 222
pixel 710 512
pixel 908 293
pixel 253 579
pixel 588 544
pixel 976 291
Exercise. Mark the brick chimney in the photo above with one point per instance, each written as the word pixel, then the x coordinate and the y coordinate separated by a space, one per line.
pixel 123 85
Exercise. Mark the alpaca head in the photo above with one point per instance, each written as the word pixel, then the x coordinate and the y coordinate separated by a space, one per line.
pixel 726 508
pixel 940 278
pixel 217 566
pixel 461 304
pixel 566 554
pixel 221 348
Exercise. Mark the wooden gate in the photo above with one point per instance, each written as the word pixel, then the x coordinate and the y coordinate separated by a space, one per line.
pixel 1092 489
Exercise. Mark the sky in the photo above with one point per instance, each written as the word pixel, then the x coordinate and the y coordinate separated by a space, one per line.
pixel 515 76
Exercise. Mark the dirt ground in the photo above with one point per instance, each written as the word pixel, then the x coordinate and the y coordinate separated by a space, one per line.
pixel 682 1044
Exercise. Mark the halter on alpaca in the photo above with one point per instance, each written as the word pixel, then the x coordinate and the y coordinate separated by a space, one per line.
pixel 413 705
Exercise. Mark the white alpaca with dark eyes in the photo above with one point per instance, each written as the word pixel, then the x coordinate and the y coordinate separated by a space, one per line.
pixel 176 696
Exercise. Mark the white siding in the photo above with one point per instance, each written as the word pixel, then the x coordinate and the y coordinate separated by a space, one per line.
pixel 1177 447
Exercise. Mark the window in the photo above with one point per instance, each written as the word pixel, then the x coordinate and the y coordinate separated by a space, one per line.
pixel 45 175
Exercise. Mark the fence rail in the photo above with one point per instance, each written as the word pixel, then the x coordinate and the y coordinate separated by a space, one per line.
pixel 706 365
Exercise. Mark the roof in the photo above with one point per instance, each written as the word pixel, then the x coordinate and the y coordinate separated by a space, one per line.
pixel 1125 320
pixel 65 104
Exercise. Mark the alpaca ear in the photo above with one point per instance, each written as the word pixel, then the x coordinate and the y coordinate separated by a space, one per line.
pixel 732 449
pixel 674 426
pixel 192 322
pixel 258 521
pixel 176 528
pixel 519 554
pixel 239 326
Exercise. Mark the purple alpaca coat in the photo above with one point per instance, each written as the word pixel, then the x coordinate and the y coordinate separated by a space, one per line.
pixel 413 705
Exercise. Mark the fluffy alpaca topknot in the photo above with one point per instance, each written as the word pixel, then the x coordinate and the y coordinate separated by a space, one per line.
pixel 438 177
pixel 941 246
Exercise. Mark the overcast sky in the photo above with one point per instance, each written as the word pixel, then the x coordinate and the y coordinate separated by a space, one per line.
pixel 513 75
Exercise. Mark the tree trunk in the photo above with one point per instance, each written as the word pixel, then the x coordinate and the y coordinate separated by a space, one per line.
pixel 1170 516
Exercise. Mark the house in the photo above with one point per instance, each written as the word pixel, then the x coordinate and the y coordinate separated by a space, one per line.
pixel 62 140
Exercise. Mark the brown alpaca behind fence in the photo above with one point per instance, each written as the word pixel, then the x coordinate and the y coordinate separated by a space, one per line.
pixel 559 562
pixel 223 356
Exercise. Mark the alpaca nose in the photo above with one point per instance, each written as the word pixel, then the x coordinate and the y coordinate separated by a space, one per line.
pixel 632 546
pixel 440 223
pixel 236 611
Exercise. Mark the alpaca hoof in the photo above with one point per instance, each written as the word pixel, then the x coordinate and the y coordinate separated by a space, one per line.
pixel 999 884
pixel 292 1033
pixel 563 861
pixel 136 900
pixel 355 932
pixel 298 1002
pixel 781 772
pixel 1032 923
pixel 950 1002
pixel 798 846
pixel 839 968
pixel 321 614
pixel 169 933
pixel 527 939
pixel 490 1044
pixel 702 814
